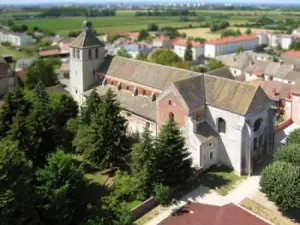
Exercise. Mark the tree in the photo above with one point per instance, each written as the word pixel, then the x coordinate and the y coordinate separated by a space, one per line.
pixel 280 181
pixel 109 143
pixel 239 50
pixel 164 57
pixel 289 153
pixel 41 71
pixel 123 53
pixel 199 69
pixel 294 137
pixel 152 27
pixel 13 103
pixel 143 35
pixel 161 193
pixel 173 165
pixel 90 107
pixel 61 190
pixel 141 56
pixel 248 31
pixel 143 157
pixel 40 125
pixel 214 64
pixel 188 55
pixel 17 197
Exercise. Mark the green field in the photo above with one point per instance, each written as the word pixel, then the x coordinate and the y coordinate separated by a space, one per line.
pixel 125 20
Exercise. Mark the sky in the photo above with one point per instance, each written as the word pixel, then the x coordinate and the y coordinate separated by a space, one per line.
pixel 160 1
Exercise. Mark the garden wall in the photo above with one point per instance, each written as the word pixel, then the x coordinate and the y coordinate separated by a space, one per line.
pixel 143 208
pixel 283 125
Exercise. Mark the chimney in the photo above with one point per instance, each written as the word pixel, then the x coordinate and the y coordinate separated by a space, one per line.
pixel 288 95
pixel 274 92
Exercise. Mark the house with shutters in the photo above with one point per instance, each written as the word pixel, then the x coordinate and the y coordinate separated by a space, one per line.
pixel 223 121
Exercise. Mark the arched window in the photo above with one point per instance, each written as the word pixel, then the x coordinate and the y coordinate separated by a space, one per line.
pixel 96 53
pixel 257 125
pixel 221 125
pixel 90 54
pixel 171 116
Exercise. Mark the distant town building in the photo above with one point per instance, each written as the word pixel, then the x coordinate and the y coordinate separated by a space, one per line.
pixel 16 39
pixel 162 42
pixel 229 45
pixel 180 48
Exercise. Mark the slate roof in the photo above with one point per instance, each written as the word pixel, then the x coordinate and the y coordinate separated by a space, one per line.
pixel 145 73
pixel 205 133
pixel 139 105
pixel 86 39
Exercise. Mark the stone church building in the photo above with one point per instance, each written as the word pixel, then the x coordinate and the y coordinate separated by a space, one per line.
pixel 224 121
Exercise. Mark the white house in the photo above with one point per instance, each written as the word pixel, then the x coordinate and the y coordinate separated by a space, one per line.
pixel 275 40
pixel 162 42
pixel 180 48
pixel 223 121
pixel 229 45
pixel 16 39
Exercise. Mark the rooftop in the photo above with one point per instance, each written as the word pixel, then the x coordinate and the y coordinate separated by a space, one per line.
pixel 292 53
pixel 184 42
pixel 201 214
pixel 51 52
pixel 232 39
pixel 162 38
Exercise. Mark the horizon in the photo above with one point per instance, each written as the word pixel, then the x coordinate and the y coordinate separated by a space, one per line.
pixel 247 2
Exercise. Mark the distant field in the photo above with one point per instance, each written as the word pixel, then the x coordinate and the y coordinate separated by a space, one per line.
pixel 205 32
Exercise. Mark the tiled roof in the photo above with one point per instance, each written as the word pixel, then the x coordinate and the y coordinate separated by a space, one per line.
pixel 292 53
pixel 162 38
pixel 50 52
pixel 296 87
pixel 195 89
pixel 86 39
pixel 258 67
pixel 237 61
pixel 201 214
pixel 183 42
pixel 145 73
pixel 139 105
pixel 232 39
pixel 222 72
pixel 276 69
pixel 282 89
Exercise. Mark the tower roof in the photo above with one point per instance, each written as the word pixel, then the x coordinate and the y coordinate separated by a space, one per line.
pixel 87 38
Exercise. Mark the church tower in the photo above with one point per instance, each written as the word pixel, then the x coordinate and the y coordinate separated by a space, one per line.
pixel 87 54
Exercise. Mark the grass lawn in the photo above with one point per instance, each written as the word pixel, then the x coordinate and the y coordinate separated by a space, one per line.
pixel 269 215
pixel 221 179
pixel 16 54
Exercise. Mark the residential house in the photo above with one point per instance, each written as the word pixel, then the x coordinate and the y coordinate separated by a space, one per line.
pixel 229 45
pixel 256 70
pixel 280 95
pixel 223 121
pixel 16 39
pixel 180 48
pixel 162 42
pixel 237 64
pixel 274 40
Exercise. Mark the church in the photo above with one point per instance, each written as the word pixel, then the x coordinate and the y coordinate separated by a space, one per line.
pixel 223 121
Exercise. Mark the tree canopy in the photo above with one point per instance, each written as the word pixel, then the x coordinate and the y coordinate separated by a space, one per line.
pixel 188 55
pixel 164 57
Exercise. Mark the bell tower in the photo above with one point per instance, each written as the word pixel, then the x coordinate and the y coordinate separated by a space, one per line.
pixel 87 54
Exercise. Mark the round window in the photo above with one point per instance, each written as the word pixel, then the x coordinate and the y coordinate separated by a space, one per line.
pixel 257 124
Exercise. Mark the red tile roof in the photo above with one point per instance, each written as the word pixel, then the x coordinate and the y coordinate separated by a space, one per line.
pixel 232 39
pixel 162 38
pixel 183 42
pixel 50 52
pixel 200 214
pixel 292 53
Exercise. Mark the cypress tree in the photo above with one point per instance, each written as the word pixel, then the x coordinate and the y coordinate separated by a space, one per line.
pixel 173 165
pixel 188 55
pixel 143 157
pixel 109 143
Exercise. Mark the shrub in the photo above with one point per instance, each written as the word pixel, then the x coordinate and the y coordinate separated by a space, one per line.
pixel 289 153
pixel 161 193
pixel 294 137
pixel 280 181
